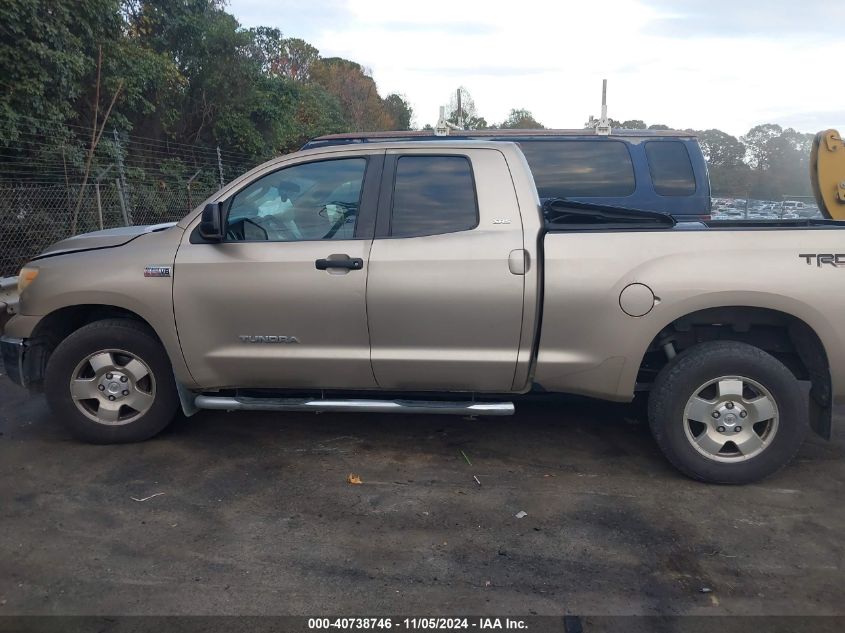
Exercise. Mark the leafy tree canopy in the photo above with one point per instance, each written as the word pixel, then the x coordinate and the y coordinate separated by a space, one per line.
pixel 183 71
pixel 521 119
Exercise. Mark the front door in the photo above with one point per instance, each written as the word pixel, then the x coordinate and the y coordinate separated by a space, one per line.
pixel 445 307
pixel 281 301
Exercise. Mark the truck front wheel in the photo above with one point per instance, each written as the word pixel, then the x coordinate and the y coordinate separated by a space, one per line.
pixel 727 412
pixel 111 382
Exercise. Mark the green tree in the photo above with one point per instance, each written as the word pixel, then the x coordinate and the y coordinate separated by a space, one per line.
pixel 317 112
pixel 786 168
pixel 400 111
pixel 47 51
pixel 468 117
pixel 291 58
pixel 757 143
pixel 211 53
pixel 297 60
pixel 721 149
pixel 356 92
pixel 267 47
pixel 521 119
pixel 725 156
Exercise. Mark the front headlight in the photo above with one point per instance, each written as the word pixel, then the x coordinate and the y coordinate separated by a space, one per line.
pixel 26 277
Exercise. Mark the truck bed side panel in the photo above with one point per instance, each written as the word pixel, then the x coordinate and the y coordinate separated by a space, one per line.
pixel 588 345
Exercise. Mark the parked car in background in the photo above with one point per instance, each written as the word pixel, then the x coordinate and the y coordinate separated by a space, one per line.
pixel 652 170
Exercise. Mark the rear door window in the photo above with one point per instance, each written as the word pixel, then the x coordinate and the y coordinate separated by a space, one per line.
pixel 670 167
pixel 570 169
pixel 433 195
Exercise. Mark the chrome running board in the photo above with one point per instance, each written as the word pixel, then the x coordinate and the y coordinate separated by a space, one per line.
pixel 221 403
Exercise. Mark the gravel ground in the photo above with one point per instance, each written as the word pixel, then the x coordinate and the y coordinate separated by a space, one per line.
pixel 257 517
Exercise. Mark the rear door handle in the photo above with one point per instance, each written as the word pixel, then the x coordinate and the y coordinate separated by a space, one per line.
pixel 339 261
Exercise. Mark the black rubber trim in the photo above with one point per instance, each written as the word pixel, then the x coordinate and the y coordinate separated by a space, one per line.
pixel 385 201
pixel 365 226
pixel 12 351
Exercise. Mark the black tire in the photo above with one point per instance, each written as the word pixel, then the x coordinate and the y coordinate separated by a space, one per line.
pixel 679 381
pixel 111 334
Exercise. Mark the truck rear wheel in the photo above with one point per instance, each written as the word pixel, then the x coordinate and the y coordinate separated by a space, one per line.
pixel 727 412
pixel 111 382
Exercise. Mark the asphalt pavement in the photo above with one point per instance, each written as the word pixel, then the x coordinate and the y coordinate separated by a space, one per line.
pixel 252 513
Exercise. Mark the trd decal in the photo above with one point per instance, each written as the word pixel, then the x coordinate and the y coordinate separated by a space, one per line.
pixel 820 259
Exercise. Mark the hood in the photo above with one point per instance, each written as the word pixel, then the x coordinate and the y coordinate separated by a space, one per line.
pixel 108 238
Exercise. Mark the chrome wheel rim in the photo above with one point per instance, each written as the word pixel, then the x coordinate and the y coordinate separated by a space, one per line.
pixel 112 387
pixel 731 419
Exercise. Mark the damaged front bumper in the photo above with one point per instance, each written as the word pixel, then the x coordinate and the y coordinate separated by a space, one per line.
pixel 8 300
pixel 13 351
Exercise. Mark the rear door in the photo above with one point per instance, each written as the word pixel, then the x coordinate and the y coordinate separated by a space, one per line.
pixel 445 290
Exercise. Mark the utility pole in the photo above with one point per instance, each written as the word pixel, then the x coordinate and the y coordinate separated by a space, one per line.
pixel 122 201
pixel 122 190
pixel 97 189
pixel 220 166
pixel 190 182
pixel 460 111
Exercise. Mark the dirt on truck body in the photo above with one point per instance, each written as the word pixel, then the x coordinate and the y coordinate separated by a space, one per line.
pixel 428 277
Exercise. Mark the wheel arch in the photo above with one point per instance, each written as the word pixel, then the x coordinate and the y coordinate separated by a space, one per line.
pixel 786 336
pixel 54 327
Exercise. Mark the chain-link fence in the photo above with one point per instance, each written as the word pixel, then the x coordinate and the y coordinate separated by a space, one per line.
pixel 35 216
pixel 50 190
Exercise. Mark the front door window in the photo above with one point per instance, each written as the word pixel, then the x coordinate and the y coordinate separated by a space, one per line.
pixel 310 201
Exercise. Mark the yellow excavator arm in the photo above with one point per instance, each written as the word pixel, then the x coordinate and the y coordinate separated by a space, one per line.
pixel 827 173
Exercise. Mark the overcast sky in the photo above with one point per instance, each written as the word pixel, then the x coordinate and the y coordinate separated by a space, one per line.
pixel 728 64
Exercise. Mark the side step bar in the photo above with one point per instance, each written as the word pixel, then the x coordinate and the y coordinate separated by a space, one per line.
pixel 242 403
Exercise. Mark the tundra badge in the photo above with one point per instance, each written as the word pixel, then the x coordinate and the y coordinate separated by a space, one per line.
pixel 251 338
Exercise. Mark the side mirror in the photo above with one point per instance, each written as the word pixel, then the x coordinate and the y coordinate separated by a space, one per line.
pixel 211 223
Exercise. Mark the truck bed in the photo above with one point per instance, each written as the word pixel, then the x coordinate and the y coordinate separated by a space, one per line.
pixel 589 345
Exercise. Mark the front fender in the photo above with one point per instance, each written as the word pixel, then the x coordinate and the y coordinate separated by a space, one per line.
pixel 110 278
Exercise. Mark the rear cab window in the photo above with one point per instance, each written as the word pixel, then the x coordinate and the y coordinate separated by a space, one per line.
pixel 670 167
pixel 433 195
pixel 576 169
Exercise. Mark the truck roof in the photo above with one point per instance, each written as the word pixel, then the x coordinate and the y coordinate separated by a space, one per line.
pixel 516 134
pixel 435 142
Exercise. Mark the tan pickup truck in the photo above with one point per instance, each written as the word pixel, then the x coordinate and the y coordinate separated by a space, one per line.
pixel 426 277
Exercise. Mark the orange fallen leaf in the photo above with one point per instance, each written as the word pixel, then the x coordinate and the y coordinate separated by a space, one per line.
pixel 352 478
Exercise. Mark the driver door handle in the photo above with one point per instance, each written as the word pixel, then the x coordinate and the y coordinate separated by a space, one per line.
pixel 340 261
